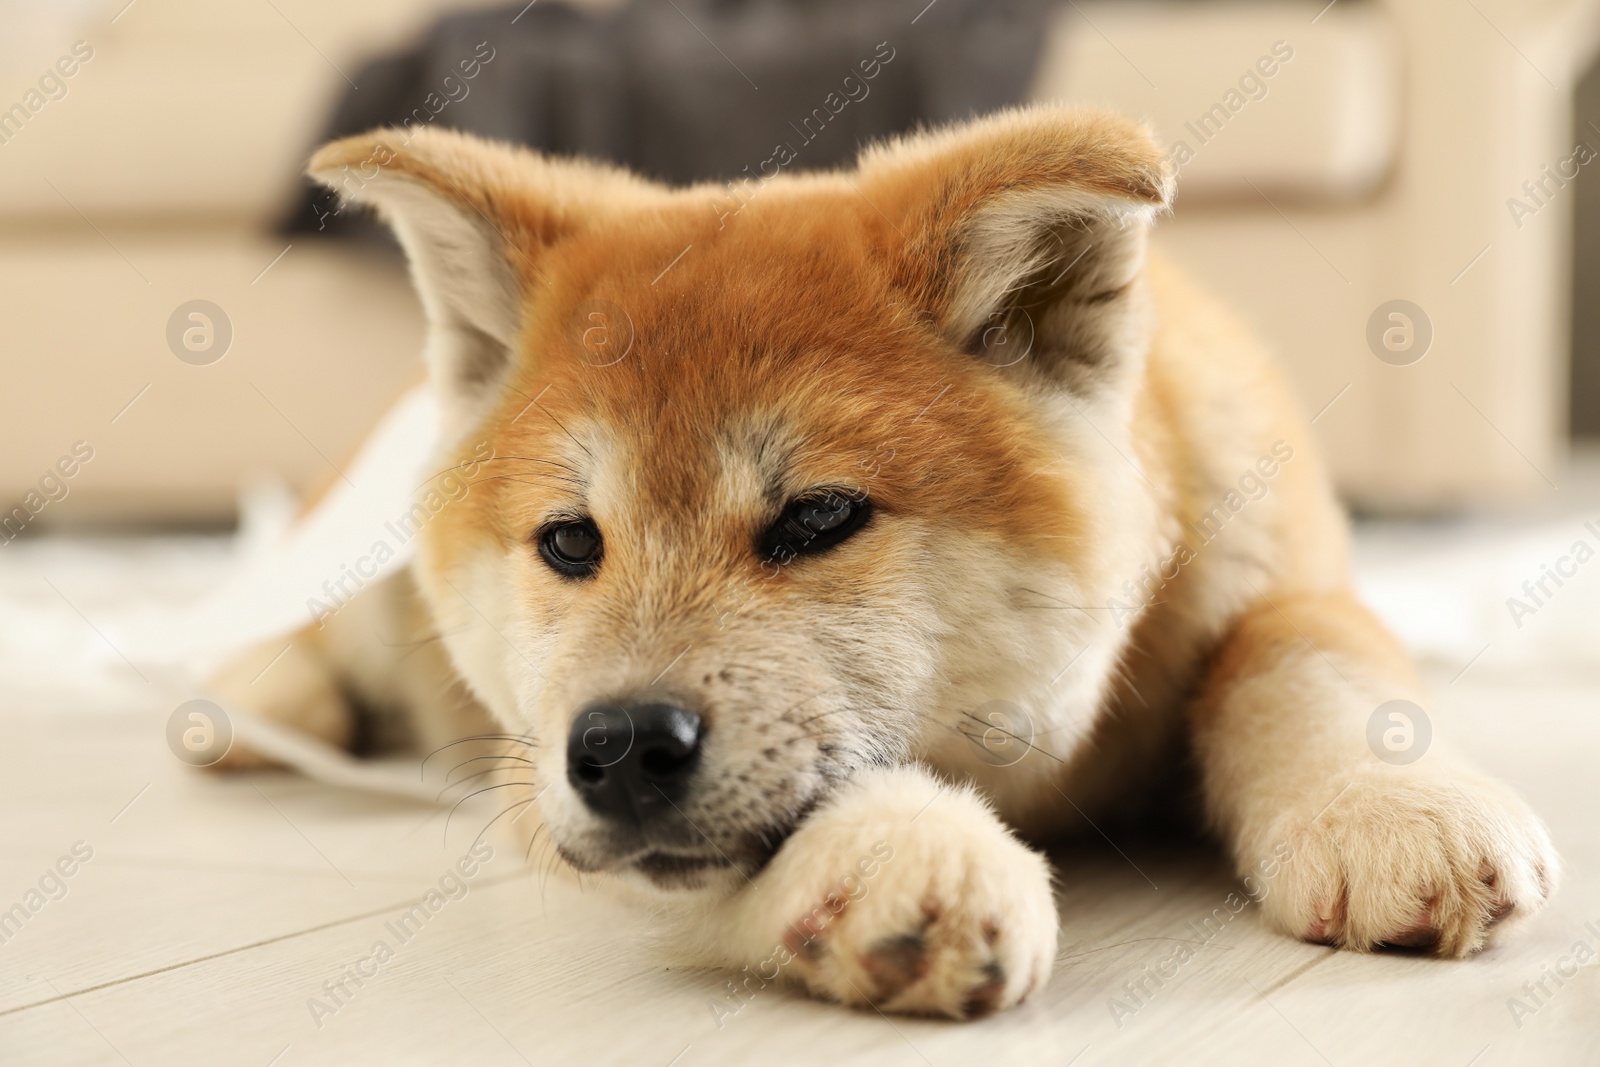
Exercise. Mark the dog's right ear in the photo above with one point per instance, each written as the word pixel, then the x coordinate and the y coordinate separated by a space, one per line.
pixel 476 219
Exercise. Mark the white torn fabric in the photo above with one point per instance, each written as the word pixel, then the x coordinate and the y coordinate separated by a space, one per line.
pixel 287 574
pixel 360 532
pixel 321 761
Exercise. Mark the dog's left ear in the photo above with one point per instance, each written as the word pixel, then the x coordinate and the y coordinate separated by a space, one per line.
pixel 1023 235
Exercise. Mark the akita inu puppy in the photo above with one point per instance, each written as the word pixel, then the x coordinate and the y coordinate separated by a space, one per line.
pixel 830 536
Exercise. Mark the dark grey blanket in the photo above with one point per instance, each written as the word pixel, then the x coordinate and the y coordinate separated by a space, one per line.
pixel 684 90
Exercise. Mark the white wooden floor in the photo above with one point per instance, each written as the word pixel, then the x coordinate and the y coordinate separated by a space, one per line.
pixel 213 910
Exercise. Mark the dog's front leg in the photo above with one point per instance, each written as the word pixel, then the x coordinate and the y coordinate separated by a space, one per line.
pixel 902 892
pixel 1346 841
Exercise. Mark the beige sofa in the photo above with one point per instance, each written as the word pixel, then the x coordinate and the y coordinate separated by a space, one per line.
pixel 1373 166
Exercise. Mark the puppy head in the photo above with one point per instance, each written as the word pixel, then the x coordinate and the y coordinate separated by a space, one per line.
pixel 775 485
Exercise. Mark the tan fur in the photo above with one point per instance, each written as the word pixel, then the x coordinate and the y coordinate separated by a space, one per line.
pixel 836 331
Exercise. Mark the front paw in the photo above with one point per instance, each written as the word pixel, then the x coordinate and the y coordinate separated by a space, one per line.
pixel 911 896
pixel 1404 862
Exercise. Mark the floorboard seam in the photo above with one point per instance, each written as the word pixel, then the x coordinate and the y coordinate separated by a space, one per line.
pixel 1298 971
pixel 234 951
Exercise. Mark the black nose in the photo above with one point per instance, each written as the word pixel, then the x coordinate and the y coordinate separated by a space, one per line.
pixel 633 761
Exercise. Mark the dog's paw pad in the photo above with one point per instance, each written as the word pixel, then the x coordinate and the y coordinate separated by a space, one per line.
pixel 1327 924
pixel 1420 934
pixel 895 964
pixel 983 998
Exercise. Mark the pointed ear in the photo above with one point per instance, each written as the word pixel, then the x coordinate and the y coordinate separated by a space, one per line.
pixel 475 219
pixel 1023 235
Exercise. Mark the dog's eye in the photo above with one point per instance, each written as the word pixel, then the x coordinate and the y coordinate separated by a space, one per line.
pixel 815 522
pixel 572 547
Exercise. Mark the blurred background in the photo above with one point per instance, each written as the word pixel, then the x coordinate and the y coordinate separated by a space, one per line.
pixel 1394 194
pixel 1427 151
pixel 1383 160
